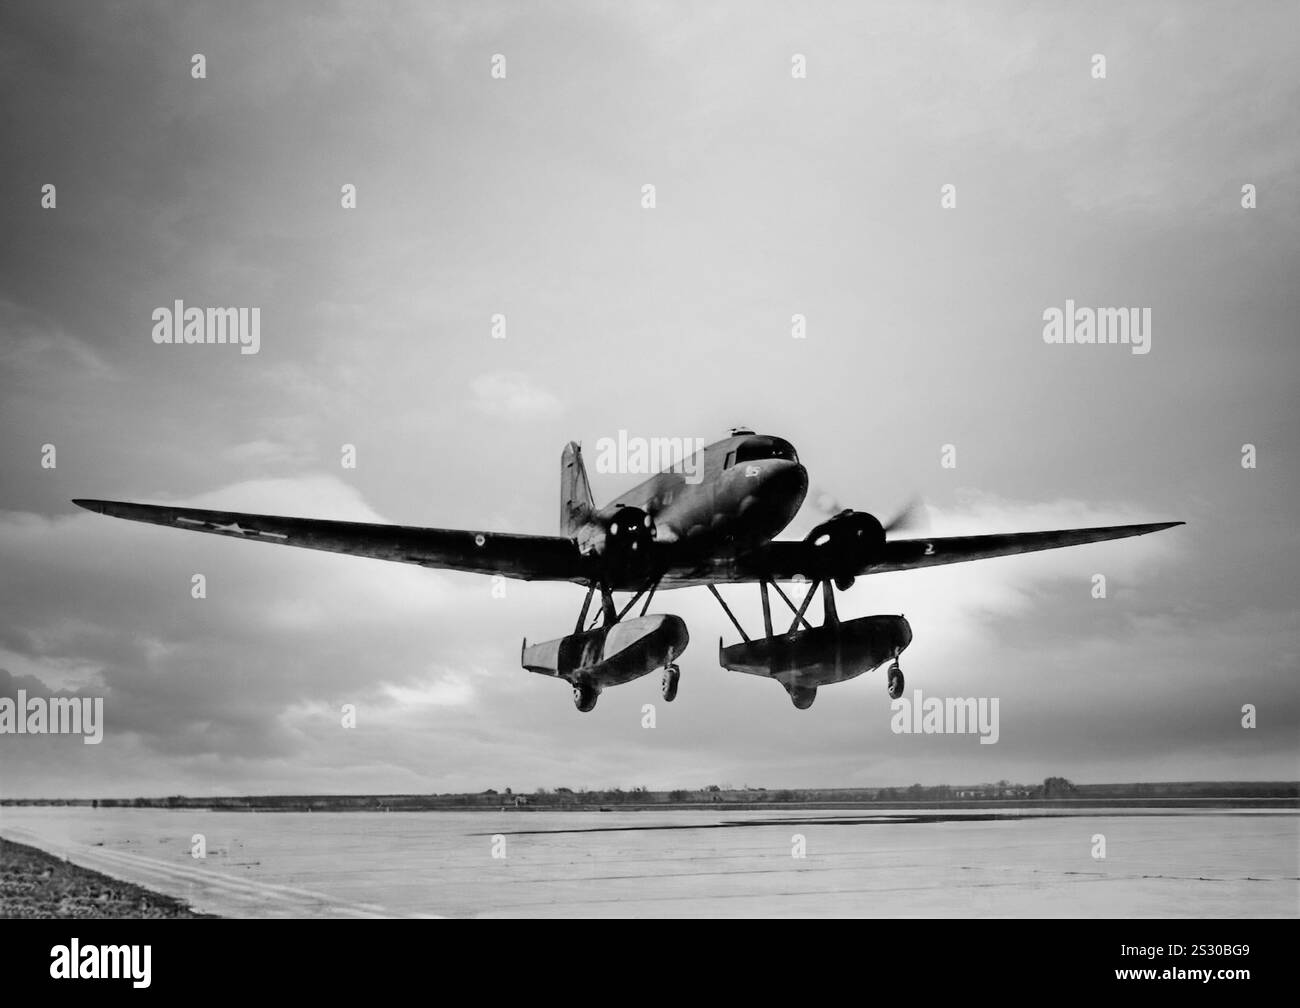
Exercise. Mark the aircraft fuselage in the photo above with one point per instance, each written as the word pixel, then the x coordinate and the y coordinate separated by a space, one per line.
pixel 749 489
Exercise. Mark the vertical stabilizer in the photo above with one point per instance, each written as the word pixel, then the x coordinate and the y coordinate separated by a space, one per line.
pixel 576 505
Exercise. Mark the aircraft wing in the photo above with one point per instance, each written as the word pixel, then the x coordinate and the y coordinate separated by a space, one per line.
pixel 553 558
pixel 527 557
pixel 787 560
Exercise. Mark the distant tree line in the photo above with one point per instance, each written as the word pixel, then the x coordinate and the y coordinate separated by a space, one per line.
pixel 1051 789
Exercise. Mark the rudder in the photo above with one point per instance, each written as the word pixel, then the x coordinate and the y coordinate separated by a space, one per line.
pixel 576 505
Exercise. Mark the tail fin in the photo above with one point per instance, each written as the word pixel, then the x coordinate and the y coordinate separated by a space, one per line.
pixel 576 505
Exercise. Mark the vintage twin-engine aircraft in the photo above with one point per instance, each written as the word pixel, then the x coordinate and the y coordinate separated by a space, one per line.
pixel 671 532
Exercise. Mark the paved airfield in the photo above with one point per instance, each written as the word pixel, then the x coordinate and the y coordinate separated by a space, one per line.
pixel 1163 863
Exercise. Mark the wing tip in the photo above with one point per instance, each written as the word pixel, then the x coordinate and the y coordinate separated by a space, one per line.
pixel 97 506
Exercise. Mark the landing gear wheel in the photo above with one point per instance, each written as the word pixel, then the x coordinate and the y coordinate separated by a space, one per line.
pixel 672 675
pixel 895 681
pixel 584 697
pixel 803 696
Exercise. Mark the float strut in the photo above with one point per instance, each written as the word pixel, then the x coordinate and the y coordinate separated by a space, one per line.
pixel 586 604
pixel 735 622
pixel 812 590
pixel 831 617
pixel 798 613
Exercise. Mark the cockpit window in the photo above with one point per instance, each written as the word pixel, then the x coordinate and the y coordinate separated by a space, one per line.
pixel 755 448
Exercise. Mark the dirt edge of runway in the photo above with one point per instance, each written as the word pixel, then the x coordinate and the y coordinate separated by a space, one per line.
pixel 35 884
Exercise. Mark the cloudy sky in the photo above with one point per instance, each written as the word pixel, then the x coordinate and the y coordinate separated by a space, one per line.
pixel 522 196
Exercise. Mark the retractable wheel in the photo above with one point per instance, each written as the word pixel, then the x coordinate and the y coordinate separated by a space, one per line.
pixel 584 697
pixel 672 676
pixel 896 682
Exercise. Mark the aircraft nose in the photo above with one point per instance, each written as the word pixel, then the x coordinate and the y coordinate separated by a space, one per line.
pixel 786 480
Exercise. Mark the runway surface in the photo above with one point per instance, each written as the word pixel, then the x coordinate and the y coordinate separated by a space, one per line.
pixel 924 863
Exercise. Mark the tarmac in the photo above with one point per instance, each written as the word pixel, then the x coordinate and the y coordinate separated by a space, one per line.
pixel 1183 863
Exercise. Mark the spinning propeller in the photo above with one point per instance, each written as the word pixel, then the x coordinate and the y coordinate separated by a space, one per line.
pixel 849 539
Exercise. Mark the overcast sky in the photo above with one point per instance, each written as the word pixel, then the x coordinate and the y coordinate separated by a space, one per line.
pixel 775 196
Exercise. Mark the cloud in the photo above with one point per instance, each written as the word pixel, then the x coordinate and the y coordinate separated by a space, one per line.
pixel 35 348
pixel 265 452
pixel 512 395
pixel 445 689
pixel 111 601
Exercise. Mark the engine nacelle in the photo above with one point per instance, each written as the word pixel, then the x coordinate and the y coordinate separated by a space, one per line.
pixel 630 530
pixel 621 539
pixel 845 544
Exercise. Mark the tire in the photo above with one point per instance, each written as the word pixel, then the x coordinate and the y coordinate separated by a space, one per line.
pixel 803 696
pixel 896 682
pixel 672 676
pixel 584 697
